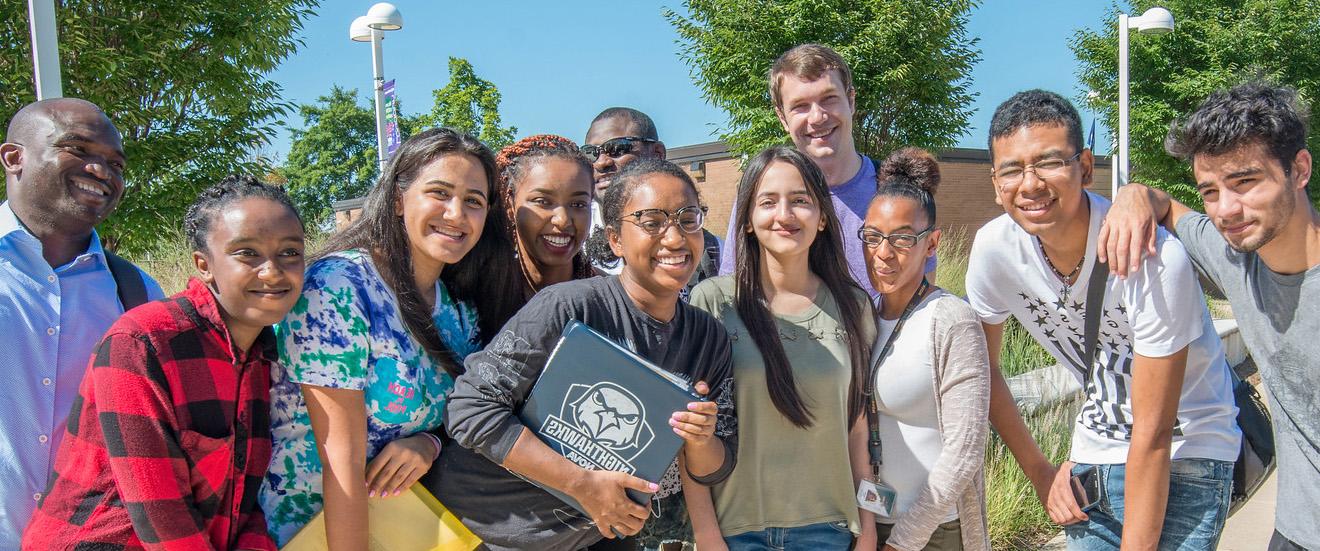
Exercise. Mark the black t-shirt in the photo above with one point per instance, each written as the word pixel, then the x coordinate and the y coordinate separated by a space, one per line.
pixel 506 511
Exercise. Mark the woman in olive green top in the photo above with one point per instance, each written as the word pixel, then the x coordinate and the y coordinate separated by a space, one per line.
pixel 801 329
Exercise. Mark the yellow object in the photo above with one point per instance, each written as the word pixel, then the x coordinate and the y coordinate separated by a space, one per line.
pixel 411 521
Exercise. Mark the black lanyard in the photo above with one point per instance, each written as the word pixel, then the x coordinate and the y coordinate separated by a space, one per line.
pixel 873 411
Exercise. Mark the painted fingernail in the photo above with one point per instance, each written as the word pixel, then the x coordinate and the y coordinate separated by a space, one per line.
pixel 653 486
pixel 397 492
pixel 673 422
pixel 371 493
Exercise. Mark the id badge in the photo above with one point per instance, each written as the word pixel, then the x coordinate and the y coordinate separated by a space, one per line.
pixel 876 497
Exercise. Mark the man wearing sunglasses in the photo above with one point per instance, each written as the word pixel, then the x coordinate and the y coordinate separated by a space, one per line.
pixel 1154 443
pixel 618 136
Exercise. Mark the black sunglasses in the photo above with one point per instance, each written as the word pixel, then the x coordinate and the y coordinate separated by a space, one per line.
pixel 614 148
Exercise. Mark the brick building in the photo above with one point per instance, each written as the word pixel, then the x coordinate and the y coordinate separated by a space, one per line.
pixel 965 199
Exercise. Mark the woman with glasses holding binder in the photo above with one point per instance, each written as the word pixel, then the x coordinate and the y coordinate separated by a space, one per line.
pixel 929 382
pixel 653 222
pixel 801 330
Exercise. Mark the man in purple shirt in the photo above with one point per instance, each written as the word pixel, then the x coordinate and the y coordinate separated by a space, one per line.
pixel 811 87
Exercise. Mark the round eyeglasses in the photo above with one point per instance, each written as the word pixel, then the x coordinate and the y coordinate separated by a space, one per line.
pixel 657 221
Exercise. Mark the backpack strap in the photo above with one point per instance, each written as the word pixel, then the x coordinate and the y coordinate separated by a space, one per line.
pixel 130 286
pixel 1095 307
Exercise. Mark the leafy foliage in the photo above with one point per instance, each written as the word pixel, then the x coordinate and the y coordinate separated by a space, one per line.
pixel 471 104
pixel 334 156
pixel 910 61
pixel 1216 43
pixel 185 83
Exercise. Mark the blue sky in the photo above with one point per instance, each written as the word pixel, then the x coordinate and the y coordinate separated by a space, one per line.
pixel 559 63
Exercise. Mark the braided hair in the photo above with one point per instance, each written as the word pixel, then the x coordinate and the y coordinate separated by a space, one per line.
pixel 512 165
pixel 229 190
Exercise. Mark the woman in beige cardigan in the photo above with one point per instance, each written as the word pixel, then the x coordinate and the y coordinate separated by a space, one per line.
pixel 930 378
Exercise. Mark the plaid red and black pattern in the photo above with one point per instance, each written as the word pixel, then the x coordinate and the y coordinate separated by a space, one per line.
pixel 168 441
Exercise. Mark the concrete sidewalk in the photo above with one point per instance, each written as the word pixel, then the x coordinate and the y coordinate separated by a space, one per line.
pixel 1251 527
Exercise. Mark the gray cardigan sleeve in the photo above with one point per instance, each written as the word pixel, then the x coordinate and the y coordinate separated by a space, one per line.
pixel 962 382
pixel 479 413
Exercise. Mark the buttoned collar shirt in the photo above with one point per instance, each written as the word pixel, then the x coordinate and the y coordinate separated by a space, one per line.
pixel 50 320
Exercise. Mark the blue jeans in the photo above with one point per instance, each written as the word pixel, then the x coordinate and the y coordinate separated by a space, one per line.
pixel 1199 492
pixel 813 537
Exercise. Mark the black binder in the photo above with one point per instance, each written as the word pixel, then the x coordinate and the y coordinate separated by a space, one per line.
pixel 605 408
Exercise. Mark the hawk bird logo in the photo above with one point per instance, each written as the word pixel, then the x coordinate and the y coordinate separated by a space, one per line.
pixel 611 415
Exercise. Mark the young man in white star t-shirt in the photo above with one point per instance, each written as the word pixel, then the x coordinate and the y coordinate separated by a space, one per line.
pixel 1158 425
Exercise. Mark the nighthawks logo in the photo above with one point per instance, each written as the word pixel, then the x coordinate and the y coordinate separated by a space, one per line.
pixel 601 426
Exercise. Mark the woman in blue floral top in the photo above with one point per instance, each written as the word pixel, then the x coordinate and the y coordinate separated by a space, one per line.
pixel 370 351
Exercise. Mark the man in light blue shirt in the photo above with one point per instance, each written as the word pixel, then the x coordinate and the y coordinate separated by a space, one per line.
pixel 63 162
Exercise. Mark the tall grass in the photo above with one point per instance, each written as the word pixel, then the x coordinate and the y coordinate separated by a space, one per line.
pixel 1016 518
pixel 1020 352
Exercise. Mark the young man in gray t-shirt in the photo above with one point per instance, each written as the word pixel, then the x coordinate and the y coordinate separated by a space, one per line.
pixel 1259 242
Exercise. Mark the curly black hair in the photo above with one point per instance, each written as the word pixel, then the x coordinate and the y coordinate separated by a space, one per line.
pixel 1255 112
pixel 229 190
pixel 910 173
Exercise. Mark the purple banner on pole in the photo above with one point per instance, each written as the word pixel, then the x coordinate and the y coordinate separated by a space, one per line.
pixel 392 139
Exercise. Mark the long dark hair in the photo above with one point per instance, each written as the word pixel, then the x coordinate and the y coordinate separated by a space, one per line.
pixel 474 279
pixel 825 259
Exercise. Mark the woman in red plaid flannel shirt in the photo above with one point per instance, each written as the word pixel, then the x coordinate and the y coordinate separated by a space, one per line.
pixel 169 439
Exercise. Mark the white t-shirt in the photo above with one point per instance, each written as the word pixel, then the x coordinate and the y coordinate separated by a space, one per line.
pixel 1155 312
pixel 910 440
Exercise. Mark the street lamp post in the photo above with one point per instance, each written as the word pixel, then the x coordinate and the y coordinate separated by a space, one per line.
pixel 1156 20
pixel 371 28
pixel 45 49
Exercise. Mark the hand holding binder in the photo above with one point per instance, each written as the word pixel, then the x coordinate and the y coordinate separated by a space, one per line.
pixel 604 497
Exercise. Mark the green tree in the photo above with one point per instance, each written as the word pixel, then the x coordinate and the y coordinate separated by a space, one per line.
pixel 333 157
pixel 910 61
pixel 1217 43
pixel 471 104
pixel 185 82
